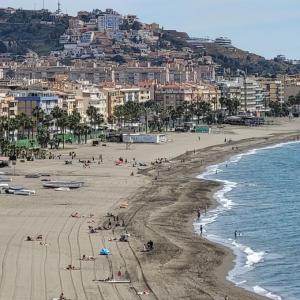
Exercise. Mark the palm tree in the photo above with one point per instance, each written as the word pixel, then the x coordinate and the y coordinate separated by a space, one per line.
pixel 180 112
pixel 74 122
pixel 202 109
pixel 10 125
pixel 38 115
pixel 92 114
pixel 2 127
pixel 132 111
pixel 21 119
pixel 57 113
pixel 63 122
pixel 47 121
pixel 99 119
pixel 174 116
pixel 119 114
pixel 43 136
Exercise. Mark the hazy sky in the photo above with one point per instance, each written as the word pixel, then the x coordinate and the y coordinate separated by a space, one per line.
pixel 266 27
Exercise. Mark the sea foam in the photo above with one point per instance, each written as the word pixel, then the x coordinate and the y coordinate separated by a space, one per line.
pixel 247 258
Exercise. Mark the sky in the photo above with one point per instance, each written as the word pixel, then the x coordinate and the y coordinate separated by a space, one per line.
pixel 265 27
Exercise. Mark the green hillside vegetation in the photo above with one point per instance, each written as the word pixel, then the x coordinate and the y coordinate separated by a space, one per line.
pixel 25 30
pixel 234 58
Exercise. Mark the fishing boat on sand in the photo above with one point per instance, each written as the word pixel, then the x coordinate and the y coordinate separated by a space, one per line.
pixel 5 179
pixel 15 190
pixel 63 184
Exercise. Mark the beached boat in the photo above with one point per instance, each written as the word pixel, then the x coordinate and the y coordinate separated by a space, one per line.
pixel 3 188
pixel 63 184
pixel 25 192
pixel 32 176
pixel 5 179
pixel 16 190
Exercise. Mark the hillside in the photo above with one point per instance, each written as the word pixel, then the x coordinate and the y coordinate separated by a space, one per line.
pixel 235 58
pixel 40 30
pixel 35 30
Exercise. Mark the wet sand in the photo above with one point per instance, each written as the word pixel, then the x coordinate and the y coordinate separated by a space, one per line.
pixel 181 266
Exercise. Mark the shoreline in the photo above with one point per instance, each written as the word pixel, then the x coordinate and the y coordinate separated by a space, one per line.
pixel 156 210
pixel 220 207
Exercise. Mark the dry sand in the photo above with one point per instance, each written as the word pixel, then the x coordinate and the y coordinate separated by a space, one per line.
pixel 182 266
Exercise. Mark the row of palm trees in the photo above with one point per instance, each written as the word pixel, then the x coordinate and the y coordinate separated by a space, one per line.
pixel 159 117
pixel 48 129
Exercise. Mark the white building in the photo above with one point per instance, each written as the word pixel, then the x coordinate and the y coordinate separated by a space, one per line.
pixel 131 94
pixel 1 74
pixel 224 42
pixel 94 97
pixel 109 20
pixel 252 96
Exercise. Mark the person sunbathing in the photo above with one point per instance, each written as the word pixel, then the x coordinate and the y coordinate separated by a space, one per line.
pixel 75 215
pixel 70 267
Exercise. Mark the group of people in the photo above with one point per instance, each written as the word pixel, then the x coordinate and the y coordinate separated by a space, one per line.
pixel 227 140
pixel 87 258
pixel 38 238
pixel 148 246
pixel 116 221
pixel 159 161
pixel 71 268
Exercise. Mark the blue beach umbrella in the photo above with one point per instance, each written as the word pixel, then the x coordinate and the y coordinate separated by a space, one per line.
pixel 104 251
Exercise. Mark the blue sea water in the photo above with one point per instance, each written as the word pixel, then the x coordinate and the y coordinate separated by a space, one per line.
pixel 261 200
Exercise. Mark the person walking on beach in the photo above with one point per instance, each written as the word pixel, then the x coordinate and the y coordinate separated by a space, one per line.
pixel 201 229
pixel 199 213
pixel 235 234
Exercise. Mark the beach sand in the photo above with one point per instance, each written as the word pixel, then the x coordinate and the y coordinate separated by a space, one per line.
pixel 181 266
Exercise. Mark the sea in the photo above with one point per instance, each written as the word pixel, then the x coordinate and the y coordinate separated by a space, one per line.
pixel 258 217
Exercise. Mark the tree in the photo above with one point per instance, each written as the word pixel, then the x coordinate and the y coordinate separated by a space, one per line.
pixel 43 136
pixel 74 120
pixel 38 115
pixel 47 121
pixel 119 114
pixel 136 25
pixel 119 59
pixel 132 111
pixel 231 105
pixel 92 114
pixel 279 109
pixel 111 119
pixel 201 109
pixel 57 113
pixel 174 116
pixel 24 123
pixel 99 119
pixel 63 123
